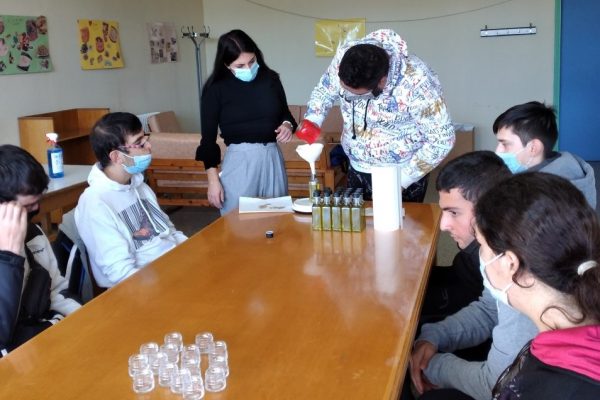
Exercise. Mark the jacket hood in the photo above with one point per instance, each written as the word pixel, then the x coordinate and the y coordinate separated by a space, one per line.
pixel 396 48
pixel 97 178
pixel 574 349
pixel 574 169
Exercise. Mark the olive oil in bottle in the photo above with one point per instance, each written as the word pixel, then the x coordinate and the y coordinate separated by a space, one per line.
pixel 317 215
pixel 326 209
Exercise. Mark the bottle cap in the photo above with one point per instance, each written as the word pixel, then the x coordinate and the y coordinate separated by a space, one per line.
pixel 269 234
pixel 52 137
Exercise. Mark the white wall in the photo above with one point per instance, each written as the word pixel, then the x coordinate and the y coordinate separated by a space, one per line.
pixel 481 77
pixel 139 87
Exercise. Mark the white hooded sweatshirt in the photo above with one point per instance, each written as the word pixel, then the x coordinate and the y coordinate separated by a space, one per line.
pixel 407 124
pixel 122 226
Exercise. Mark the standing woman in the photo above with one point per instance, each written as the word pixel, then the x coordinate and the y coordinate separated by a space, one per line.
pixel 243 98
pixel 540 253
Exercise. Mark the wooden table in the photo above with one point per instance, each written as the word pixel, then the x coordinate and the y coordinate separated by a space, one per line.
pixel 306 314
pixel 62 195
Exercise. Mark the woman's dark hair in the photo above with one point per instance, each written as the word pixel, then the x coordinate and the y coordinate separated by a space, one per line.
pixel 548 224
pixel 110 133
pixel 20 174
pixel 229 48
pixel 363 66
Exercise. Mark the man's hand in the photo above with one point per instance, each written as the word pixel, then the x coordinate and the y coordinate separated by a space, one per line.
pixel 419 360
pixel 284 132
pixel 13 227
pixel 308 131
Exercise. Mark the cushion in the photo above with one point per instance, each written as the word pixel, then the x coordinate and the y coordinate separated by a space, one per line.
pixel 164 122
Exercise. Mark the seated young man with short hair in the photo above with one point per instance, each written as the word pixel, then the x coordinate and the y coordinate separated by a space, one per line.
pixel 526 135
pixel 33 294
pixel 118 216
pixel 460 184
pixel 434 369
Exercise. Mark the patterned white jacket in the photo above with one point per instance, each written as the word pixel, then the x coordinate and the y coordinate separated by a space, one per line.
pixel 407 124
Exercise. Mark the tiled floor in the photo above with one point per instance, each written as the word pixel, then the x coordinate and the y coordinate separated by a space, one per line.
pixel 190 220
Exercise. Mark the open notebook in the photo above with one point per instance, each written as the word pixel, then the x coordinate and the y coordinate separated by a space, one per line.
pixel 256 205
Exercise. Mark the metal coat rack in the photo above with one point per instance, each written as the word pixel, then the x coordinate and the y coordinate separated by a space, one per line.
pixel 197 38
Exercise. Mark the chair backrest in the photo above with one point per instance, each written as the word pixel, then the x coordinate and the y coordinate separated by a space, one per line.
pixel 78 269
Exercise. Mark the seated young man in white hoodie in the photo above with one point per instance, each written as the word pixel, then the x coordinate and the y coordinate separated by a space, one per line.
pixel 118 216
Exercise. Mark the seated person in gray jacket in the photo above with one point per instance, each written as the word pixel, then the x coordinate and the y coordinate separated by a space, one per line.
pixel 33 294
pixel 460 184
pixel 526 135
pixel 432 364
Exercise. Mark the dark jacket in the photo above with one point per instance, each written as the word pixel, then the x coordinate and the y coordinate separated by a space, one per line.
pixel 11 282
pixel 33 292
pixel 452 288
pixel 558 365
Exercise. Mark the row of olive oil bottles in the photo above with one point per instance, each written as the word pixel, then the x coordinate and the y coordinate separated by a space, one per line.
pixel 341 211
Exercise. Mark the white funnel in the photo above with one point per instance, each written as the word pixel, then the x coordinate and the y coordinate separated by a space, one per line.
pixel 310 153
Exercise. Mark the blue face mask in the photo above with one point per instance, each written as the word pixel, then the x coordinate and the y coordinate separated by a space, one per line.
pixel 499 295
pixel 510 159
pixel 140 163
pixel 246 74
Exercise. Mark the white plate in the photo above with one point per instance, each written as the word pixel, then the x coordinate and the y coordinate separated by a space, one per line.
pixel 302 205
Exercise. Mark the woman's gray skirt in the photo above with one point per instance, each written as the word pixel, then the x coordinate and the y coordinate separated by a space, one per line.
pixel 252 170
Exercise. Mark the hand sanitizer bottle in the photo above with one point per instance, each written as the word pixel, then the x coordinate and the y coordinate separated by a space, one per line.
pixel 55 157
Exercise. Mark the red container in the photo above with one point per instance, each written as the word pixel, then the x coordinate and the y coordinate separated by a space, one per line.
pixel 308 131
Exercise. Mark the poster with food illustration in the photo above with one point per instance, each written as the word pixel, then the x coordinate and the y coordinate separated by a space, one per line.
pixel 163 42
pixel 24 45
pixel 99 44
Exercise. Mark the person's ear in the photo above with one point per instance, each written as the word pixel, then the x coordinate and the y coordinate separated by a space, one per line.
pixel 115 156
pixel 536 147
pixel 512 261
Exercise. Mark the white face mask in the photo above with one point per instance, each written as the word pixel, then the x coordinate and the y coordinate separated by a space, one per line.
pixel 500 295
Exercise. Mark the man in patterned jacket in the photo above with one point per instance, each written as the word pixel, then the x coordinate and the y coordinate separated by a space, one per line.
pixel 393 109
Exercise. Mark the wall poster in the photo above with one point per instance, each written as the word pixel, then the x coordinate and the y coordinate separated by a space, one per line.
pixel 99 44
pixel 331 33
pixel 163 42
pixel 24 45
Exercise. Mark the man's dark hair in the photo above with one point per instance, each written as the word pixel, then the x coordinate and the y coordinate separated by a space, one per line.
pixel 533 120
pixel 20 174
pixel 110 133
pixel 472 174
pixel 363 66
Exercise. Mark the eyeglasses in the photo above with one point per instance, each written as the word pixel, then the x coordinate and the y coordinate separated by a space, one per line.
pixel 140 144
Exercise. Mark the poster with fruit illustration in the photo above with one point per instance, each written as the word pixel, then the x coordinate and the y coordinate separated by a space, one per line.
pixel 99 44
pixel 24 45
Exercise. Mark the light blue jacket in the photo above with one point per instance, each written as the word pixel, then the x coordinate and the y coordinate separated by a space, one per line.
pixel 509 329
